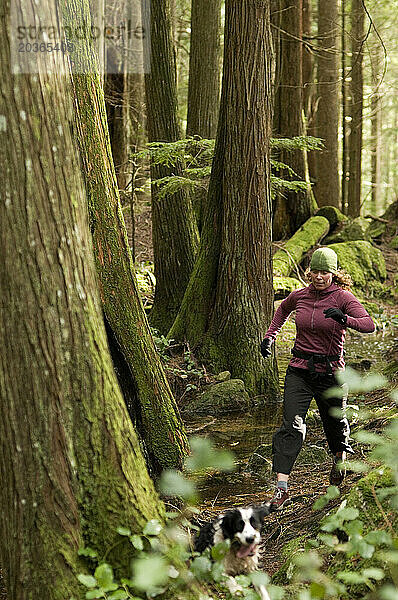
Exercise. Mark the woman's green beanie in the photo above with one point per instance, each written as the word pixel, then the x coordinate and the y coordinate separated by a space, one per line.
pixel 324 259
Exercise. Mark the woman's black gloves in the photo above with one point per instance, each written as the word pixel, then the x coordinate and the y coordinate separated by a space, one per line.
pixel 265 347
pixel 336 314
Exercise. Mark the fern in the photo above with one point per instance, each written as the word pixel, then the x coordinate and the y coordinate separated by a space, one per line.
pixel 196 155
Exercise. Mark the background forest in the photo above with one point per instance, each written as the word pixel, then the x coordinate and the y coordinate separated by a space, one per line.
pixel 165 182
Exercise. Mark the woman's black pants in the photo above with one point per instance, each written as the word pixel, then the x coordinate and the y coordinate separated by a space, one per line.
pixel 300 387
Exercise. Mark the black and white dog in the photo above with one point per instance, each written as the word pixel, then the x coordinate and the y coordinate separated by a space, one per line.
pixel 242 526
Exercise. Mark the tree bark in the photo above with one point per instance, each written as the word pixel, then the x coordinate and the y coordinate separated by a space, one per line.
pixel 376 118
pixel 327 188
pixel 155 412
pixel 231 286
pixel 356 109
pixel 309 91
pixel 204 68
pixel 292 208
pixel 70 463
pixel 174 230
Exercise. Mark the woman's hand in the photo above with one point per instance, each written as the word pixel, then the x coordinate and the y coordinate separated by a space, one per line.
pixel 265 347
pixel 336 314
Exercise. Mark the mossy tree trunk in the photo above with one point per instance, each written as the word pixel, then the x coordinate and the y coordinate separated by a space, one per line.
pixel 292 208
pixel 309 95
pixel 174 230
pixel 327 188
pixel 152 406
pixel 229 300
pixel 356 109
pixel 204 68
pixel 71 468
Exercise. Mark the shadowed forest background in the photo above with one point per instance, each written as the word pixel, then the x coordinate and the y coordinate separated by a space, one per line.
pixel 165 183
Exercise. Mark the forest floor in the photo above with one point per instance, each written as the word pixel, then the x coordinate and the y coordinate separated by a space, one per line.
pixel 298 519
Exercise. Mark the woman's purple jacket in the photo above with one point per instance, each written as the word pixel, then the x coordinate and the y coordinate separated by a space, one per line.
pixel 316 333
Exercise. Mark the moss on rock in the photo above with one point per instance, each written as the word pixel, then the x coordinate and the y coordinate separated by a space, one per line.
pixel 284 285
pixel 354 229
pixel 364 263
pixel 221 398
pixel 332 214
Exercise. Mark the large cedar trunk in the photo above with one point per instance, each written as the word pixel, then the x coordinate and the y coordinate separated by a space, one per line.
pixel 231 286
pixel 71 469
pixel 204 68
pixel 309 95
pixel 155 411
pixel 356 109
pixel 292 208
pixel 174 230
pixel 327 188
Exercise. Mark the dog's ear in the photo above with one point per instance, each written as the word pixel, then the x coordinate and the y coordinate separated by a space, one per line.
pixel 228 523
pixel 264 511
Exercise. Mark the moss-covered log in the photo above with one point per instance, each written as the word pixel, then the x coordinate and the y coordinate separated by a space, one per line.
pixel 293 251
pixel 156 414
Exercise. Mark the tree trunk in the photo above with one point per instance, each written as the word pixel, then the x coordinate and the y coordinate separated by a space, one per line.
pixel 231 286
pixel 156 414
pixel 174 230
pixel 344 107
pixel 375 136
pixel 292 208
pixel 327 188
pixel 117 97
pixel 204 68
pixel 356 109
pixel 309 87
pixel 71 466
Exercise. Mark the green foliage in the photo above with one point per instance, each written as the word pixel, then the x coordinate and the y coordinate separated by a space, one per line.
pixel 197 154
pixel 354 553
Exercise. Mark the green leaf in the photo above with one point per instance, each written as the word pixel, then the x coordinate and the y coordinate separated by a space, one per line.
pixel 317 590
pixel 172 483
pixel 350 577
pixel 205 455
pixel 348 513
pixel 123 531
pixel 200 566
pixel 137 542
pixel 97 593
pixel 388 592
pixel 119 595
pixel 373 573
pixel 220 550
pixel 331 493
pixel 87 580
pixel 150 572
pixel 104 576
pixel 356 466
pixel 259 578
pixel 377 538
pixel 89 552
pixel 153 527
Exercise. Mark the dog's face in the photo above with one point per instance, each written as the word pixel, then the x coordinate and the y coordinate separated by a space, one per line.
pixel 242 526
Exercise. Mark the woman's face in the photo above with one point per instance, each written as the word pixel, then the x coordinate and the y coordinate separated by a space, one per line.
pixel 321 279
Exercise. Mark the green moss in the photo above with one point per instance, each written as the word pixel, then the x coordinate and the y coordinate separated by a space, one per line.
pixel 354 229
pixel 284 285
pixel 364 263
pixel 286 572
pixel 332 214
pixel 294 249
